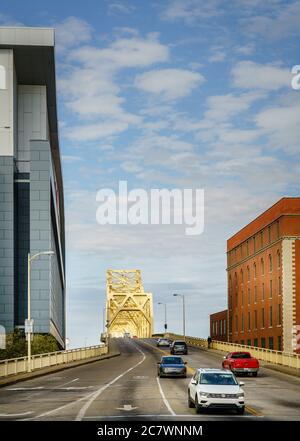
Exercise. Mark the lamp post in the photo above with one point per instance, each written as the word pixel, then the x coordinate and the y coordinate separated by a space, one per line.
pixel 29 321
pixel 165 305
pixel 183 311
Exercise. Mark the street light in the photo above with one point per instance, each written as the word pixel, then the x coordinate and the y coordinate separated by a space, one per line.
pixel 29 321
pixel 183 311
pixel 165 305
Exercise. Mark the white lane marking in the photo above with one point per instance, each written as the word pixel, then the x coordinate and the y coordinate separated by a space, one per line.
pixel 184 415
pixel 126 407
pixel 167 404
pixel 83 410
pixel 14 414
pixel 69 382
pixel 50 412
pixel 25 388
pixel 73 388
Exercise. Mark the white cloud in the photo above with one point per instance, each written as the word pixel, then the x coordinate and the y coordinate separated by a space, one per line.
pixel 7 20
pixel 279 23
pixel 120 8
pixel 251 75
pixel 217 56
pixel 71 32
pixel 91 132
pixel 191 10
pixel 71 158
pixel 169 84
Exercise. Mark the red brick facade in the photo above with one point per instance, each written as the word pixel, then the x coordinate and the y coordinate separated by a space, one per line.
pixel 263 264
pixel 218 326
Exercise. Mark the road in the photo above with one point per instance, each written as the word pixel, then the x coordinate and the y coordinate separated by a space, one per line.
pixel 127 387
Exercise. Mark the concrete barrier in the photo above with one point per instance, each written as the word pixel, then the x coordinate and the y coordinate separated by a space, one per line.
pixel 15 366
pixel 287 359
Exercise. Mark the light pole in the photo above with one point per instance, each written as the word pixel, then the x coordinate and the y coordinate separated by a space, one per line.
pixel 165 305
pixel 29 322
pixel 183 311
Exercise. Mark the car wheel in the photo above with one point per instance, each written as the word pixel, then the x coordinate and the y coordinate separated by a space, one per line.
pixel 198 407
pixel 241 410
pixel 190 402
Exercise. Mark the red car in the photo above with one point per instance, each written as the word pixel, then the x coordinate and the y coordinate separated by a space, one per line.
pixel 241 363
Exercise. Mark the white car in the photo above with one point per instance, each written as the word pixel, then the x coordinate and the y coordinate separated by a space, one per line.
pixel 163 342
pixel 215 389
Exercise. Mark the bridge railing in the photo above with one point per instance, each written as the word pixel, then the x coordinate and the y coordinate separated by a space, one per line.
pixel 14 366
pixel 267 355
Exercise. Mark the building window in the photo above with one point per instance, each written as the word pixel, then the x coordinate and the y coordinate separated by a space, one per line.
pixel 249 296
pixel 278 260
pixel 263 342
pixel 263 291
pixel 248 273
pixel 242 277
pixel 247 245
pixel 255 342
pixel 236 324
pixel 213 328
pixel 271 343
pixel 249 321
pixel 279 343
pixel 242 323
pixel 255 319
pixel 279 286
pixel 277 230
pixel 270 263
pixel 216 328
pixel 271 289
pixel 242 298
pixel 254 244
pixel 225 327
pixel 2 77
pixel 262 267
pixel 254 268
pixel 255 294
pixel 236 299
pixel 279 314
pixel 269 234
pixel 271 316
pixel 249 342
pixel 263 317
pixel 261 239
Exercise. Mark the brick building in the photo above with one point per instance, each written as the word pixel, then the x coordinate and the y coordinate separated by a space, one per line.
pixel 263 265
pixel 218 325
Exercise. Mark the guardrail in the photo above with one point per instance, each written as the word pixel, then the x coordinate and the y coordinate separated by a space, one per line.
pixel 193 341
pixel 267 355
pixel 19 365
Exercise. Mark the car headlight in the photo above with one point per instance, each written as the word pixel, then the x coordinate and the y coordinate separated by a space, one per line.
pixel 203 394
pixel 241 395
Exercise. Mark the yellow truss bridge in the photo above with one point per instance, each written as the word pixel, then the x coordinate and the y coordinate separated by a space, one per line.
pixel 129 310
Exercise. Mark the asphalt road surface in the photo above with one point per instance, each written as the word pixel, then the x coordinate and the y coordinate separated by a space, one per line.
pixel 127 387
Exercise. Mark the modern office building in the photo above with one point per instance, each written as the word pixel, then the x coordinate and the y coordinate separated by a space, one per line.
pixel 31 187
pixel 218 325
pixel 264 279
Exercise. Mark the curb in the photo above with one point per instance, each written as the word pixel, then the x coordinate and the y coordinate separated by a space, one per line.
pixel 12 379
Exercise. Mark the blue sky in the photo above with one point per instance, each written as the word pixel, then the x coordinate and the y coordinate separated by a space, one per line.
pixel 169 94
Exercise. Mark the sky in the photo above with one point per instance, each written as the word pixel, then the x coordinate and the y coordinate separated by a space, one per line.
pixel 168 94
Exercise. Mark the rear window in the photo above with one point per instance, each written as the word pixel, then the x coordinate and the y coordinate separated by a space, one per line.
pixel 172 360
pixel 180 343
pixel 241 355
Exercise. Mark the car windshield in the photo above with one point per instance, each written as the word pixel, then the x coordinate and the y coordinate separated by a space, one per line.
pixel 179 343
pixel 241 355
pixel 218 379
pixel 163 341
pixel 172 360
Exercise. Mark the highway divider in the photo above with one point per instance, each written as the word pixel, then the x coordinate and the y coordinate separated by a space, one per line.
pixel 288 359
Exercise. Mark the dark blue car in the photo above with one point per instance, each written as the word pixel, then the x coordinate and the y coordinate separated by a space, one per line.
pixel 171 366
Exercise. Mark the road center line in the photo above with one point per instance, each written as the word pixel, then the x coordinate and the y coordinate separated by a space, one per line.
pixel 83 410
pixel 167 404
